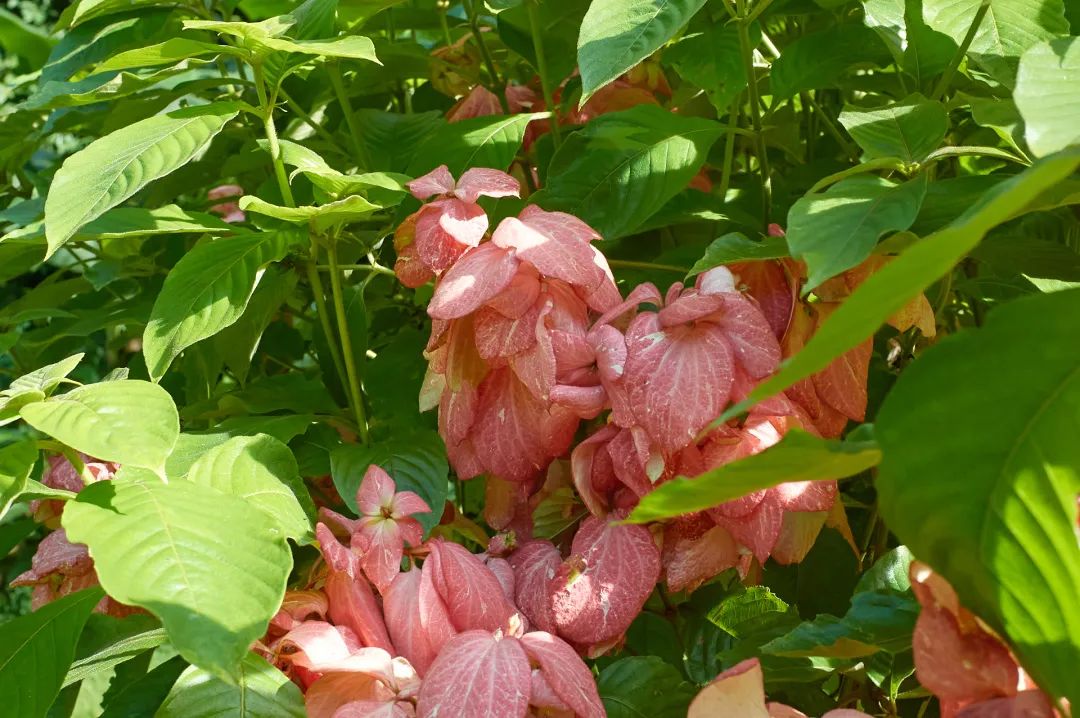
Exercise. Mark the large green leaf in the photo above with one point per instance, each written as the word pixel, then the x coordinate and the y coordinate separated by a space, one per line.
pixel 478 142
pixel 207 291
pixel 143 695
pixel 16 462
pixel 1009 28
pixel 712 60
pixel 618 34
pixel 107 642
pixel 642 686
pixel 128 421
pixel 876 621
pixel 322 216
pixel 116 166
pixel 170 51
pixel 901 280
pixel 993 508
pixel 262 691
pixel 262 471
pixel 1046 95
pixel 211 566
pixel 35 651
pixel 416 462
pixel 123 222
pixel 910 129
pixel 820 59
pixel 624 166
pixel 736 247
pixel 391 139
pixel 798 457
pixel 837 229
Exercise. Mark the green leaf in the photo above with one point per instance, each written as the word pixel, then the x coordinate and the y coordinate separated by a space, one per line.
pixel 16 462
pixel 206 291
pixel 34 386
pixel 237 343
pixel 416 462
pixel 107 642
pixel 735 247
pixel 46 378
pixel 19 39
pixel 1009 28
pixel 753 613
pixel 820 59
pixel 122 222
pixel 262 471
pixel 142 696
pixel 391 139
pixel 345 210
pixel 837 229
pixel 889 573
pixel 910 129
pixel 129 422
pixel 799 456
pixel 622 167
pixel 113 168
pixel 618 34
pixel 1046 95
pixel 85 10
pixel 877 621
pixel 160 546
pixel 711 59
pixel 163 53
pixel 901 280
pixel 262 691
pixel 189 447
pixel 644 687
pixel 477 142
pixel 356 47
pixel 1004 536
pixel 36 649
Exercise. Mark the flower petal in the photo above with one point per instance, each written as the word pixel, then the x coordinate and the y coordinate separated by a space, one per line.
pixel 352 604
pixel 437 181
pixel 480 274
pixel 535 564
pixel 486 182
pixel 376 491
pixel 468 588
pixel 477 674
pixel 565 672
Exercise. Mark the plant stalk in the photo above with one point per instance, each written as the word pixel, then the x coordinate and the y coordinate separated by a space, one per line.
pixel 346 344
pixel 287 197
pixel 499 89
pixel 346 108
pixel 747 52
pixel 954 64
pixel 541 67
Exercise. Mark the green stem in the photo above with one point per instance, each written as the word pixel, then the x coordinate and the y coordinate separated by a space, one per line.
pixel 849 149
pixel 346 107
pixel 747 52
pixel 287 196
pixel 272 139
pixel 760 8
pixel 445 27
pixel 729 150
pixel 499 88
pixel 346 344
pixel 324 314
pixel 630 264
pixel 377 269
pixel 954 64
pixel 541 67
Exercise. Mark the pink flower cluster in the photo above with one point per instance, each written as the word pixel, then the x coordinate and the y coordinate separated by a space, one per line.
pixel 446 638
pixel 530 336
pixel 60 567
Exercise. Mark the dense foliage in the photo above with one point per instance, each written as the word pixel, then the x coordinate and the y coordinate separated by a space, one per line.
pixel 514 358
